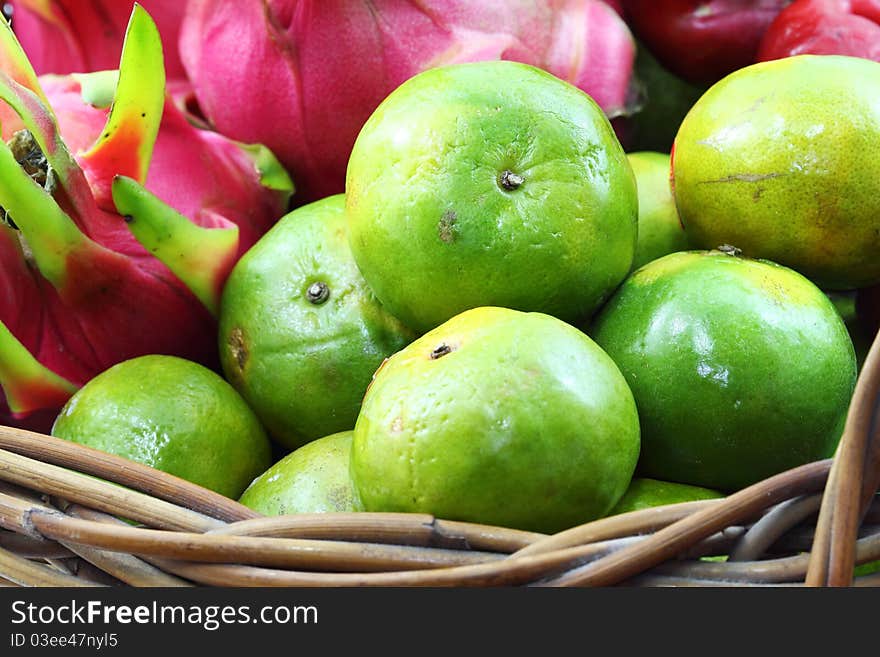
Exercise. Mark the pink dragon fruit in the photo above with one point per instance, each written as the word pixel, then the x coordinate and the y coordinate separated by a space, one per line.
pixel 302 76
pixel 80 36
pixel 94 268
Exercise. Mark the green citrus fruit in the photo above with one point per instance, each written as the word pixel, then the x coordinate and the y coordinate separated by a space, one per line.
pixel 300 332
pixel 499 417
pixel 173 415
pixel 311 479
pixel 780 160
pixel 644 493
pixel 660 231
pixel 490 184
pixel 740 368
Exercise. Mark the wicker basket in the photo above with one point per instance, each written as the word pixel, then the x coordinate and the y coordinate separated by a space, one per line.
pixel 60 527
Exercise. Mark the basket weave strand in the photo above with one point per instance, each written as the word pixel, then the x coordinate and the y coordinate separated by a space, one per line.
pixel 853 481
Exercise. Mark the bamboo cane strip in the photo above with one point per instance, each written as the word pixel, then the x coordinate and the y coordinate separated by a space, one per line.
pixel 320 555
pixel 15 515
pixel 773 525
pixel 124 567
pixel 653 580
pixel 871 472
pixel 792 568
pixel 497 573
pixel 122 471
pixel 832 556
pixel 32 548
pixel 127 568
pixel 399 528
pixel 715 545
pixel 624 524
pixel 785 571
pixel 23 493
pixel 634 522
pixel 24 572
pixel 99 494
pixel 673 539
pixel 87 571
pixel 800 539
pixel 509 572
pixel 487 537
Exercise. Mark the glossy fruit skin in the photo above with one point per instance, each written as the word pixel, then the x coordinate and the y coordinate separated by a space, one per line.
pixel 173 415
pixel 660 231
pixel 498 417
pixel 824 27
pixel 311 479
pixel 740 368
pixel 645 493
pixel 777 160
pixel 702 41
pixel 436 231
pixel 304 365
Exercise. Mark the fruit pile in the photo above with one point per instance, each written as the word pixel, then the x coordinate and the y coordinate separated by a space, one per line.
pixel 525 264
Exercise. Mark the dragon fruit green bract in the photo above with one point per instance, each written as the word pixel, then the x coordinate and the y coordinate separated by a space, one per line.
pixel 303 76
pixel 72 36
pixel 95 269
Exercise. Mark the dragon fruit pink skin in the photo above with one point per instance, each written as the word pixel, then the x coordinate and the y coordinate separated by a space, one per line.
pixel 99 270
pixel 302 76
pixel 73 36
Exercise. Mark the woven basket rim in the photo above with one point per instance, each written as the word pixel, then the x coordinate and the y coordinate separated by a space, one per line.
pixel 60 505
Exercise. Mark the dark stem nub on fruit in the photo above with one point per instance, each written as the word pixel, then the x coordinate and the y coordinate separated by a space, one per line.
pixel 730 250
pixel 318 293
pixel 440 350
pixel 510 180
